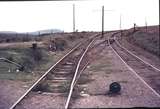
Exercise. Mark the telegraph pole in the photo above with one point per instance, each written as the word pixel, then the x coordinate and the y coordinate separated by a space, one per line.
pixel 146 24
pixel 73 18
pixel 102 21
pixel 134 27
pixel 120 24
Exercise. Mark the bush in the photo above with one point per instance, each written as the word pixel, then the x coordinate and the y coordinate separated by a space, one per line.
pixel 43 86
pixel 71 37
pixel 35 53
pixel 60 44
pixel 10 58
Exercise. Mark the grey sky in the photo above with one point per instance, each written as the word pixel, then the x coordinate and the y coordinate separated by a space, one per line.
pixel 39 15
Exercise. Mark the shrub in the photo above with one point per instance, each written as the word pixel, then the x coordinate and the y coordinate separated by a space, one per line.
pixel 60 44
pixel 43 86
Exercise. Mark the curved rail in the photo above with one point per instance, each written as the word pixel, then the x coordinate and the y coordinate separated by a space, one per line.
pixel 75 75
pixel 131 69
pixel 45 74
pixel 137 56
pixel 34 85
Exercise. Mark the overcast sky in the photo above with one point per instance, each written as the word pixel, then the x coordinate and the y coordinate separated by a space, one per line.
pixel 38 15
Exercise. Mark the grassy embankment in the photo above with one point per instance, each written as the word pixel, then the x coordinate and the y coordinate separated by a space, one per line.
pixel 148 40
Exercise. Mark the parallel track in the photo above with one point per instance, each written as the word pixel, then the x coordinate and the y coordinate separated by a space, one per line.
pixel 146 72
pixel 66 70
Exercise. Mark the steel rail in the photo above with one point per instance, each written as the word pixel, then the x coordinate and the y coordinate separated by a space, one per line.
pixel 75 75
pixel 44 75
pixel 21 98
pixel 132 70
pixel 80 73
pixel 136 56
pixel 89 62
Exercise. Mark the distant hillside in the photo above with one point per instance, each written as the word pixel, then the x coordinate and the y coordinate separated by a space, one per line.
pixel 41 32
pixel 11 36
pixel 47 31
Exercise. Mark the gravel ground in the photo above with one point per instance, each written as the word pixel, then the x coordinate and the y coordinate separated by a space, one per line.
pixel 149 57
pixel 10 91
pixel 102 72
pixel 109 68
pixel 43 101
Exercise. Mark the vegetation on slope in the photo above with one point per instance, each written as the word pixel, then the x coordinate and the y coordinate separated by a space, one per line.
pixel 148 40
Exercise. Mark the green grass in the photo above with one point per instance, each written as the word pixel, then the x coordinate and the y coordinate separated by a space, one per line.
pixel 23 56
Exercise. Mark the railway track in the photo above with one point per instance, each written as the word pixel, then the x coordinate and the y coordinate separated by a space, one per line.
pixel 146 72
pixel 61 78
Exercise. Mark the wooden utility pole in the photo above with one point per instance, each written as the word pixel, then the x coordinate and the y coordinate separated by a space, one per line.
pixel 146 24
pixel 134 27
pixel 51 35
pixel 120 24
pixel 73 18
pixel 102 21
